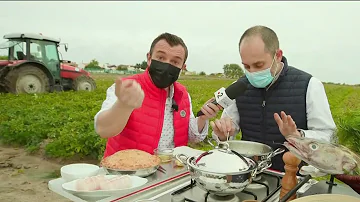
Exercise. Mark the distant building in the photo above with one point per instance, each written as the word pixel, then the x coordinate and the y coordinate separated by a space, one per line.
pixel 112 67
pixel 129 67
pixel 82 65
pixel 190 73
pixel 108 66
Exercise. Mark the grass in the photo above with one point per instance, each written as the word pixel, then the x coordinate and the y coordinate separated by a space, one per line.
pixel 62 123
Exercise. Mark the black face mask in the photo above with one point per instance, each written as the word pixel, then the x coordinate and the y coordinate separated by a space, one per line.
pixel 163 74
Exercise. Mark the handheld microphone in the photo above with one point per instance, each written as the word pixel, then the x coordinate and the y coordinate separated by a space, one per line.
pixel 224 97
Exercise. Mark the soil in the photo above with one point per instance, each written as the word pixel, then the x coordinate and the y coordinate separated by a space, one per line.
pixel 25 177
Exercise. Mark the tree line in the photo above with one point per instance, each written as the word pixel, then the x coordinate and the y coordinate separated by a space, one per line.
pixel 231 71
pixel 94 64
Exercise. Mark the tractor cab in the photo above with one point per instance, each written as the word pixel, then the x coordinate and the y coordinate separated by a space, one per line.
pixel 36 48
pixel 40 53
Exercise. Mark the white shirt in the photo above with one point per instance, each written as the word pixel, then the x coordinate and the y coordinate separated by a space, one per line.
pixel 319 119
pixel 167 134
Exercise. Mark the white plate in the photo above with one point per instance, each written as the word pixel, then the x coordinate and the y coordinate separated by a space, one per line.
pixel 71 187
pixel 187 151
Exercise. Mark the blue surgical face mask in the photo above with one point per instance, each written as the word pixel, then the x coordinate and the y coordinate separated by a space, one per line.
pixel 262 78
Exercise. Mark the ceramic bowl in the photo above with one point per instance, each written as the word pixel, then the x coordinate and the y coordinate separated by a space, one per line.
pixel 78 171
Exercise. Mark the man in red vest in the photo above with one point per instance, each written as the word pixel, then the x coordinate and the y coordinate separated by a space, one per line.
pixel 151 110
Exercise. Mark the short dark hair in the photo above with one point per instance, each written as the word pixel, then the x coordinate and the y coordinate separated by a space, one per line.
pixel 172 40
pixel 268 36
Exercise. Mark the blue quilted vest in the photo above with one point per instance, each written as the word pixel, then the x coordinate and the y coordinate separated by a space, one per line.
pixel 257 107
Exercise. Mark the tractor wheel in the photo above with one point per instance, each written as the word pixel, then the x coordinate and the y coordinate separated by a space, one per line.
pixel 27 79
pixel 84 83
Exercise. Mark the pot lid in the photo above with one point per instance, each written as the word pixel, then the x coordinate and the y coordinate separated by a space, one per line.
pixel 222 160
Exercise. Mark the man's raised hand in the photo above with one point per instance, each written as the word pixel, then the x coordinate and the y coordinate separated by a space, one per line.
pixel 129 93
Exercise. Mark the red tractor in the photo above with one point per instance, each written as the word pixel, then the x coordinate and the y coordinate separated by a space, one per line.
pixel 33 66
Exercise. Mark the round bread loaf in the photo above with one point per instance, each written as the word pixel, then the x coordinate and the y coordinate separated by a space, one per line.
pixel 130 159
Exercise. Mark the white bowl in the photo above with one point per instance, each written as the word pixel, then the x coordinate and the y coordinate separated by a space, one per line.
pixel 78 170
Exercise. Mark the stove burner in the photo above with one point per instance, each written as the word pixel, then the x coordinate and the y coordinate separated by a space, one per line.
pixel 229 198
pixel 257 183
pixel 250 193
pixel 274 176
pixel 265 185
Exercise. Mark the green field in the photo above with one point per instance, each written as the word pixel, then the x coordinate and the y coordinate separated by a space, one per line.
pixel 62 123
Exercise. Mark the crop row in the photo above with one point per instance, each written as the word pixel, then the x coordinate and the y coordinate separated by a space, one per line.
pixel 65 120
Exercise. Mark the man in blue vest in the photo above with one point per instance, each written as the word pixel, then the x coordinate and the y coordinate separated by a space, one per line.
pixel 280 100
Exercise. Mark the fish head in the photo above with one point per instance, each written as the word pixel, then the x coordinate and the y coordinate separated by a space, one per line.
pixel 305 149
pixel 323 155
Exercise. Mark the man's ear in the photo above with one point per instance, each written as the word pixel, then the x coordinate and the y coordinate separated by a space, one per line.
pixel 183 67
pixel 148 59
pixel 279 55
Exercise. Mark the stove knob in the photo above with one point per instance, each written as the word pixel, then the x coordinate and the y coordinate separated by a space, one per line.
pixel 178 198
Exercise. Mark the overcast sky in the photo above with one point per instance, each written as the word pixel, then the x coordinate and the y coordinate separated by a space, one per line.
pixel 321 38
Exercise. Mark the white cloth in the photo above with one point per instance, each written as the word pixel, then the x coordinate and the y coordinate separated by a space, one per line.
pixel 167 134
pixel 320 123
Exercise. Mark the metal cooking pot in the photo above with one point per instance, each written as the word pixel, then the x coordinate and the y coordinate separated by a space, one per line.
pixel 220 171
pixel 258 152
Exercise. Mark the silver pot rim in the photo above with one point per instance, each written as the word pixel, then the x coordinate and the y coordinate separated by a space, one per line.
pixel 221 152
pixel 209 186
pixel 261 164
pixel 252 167
pixel 255 143
pixel 269 155
pixel 188 161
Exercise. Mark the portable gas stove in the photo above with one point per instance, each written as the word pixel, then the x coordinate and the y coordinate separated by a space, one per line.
pixel 176 185
pixel 265 188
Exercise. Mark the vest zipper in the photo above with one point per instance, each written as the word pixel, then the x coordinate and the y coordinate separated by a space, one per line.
pixel 263 128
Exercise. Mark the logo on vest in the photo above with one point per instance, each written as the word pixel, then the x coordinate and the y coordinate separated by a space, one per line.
pixel 182 113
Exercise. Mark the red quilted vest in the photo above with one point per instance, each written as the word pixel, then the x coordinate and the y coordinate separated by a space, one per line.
pixel 143 129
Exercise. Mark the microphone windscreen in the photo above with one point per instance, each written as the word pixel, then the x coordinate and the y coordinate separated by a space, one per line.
pixel 236 89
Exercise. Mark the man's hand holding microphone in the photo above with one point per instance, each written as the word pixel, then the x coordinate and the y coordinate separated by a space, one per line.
pixel 223 127
pixel 209 110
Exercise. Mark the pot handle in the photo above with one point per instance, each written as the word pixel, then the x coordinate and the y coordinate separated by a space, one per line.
pixel 182 158
pixel 253 173
pixel 210 143
pixel 216 140
pixel 276 152
pixel 223 145
pixel 202 155
pixel 264 164
pixel 242 157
